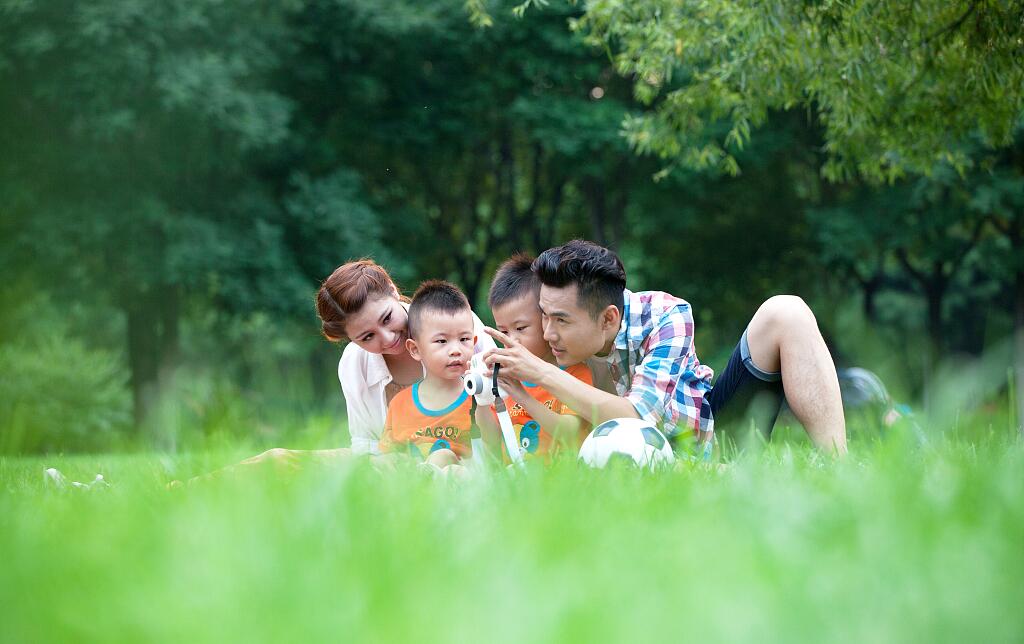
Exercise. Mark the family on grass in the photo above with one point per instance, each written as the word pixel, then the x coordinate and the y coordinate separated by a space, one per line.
pixel 576 348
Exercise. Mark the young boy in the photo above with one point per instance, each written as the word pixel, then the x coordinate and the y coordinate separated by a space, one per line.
pixel 431 419
pixel 543 424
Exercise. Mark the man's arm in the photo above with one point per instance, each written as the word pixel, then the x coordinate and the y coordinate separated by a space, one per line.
pixel 559 426
pixel 592 404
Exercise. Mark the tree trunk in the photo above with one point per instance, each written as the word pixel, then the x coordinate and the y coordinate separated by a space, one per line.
pixel 870 311
pixel 1018 336
pixel 618 215
pixel 153 342
pixel 143 355
pixel 323 369
pixel 169 308
pixel 506 197
pixel 870 288
pixel 935 292
pixel 544 228
pixel 598 211
pixel 935 295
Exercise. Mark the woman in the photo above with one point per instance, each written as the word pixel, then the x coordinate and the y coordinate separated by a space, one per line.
pixel 360 303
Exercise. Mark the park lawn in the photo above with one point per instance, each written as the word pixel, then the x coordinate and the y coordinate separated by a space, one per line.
pixel 898 543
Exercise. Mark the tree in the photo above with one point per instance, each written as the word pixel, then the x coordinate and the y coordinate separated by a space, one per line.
pixel 129 129
pixel 897 86
pixel 474 144
pixel 999 197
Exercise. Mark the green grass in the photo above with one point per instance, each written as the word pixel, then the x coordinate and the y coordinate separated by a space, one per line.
pixel 898 543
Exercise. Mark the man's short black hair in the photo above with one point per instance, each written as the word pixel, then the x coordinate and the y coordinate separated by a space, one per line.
pixel 514 279
pixel 597 272
pixel 435 295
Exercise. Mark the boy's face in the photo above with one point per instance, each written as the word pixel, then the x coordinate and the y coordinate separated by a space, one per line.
pixel 573 334
pixel 520 320
pixel 443 343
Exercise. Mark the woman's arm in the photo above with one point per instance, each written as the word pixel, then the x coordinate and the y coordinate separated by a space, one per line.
pixel 364 422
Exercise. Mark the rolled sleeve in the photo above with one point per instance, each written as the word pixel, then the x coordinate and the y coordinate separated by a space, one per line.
pixel 364 426
pixel 669 384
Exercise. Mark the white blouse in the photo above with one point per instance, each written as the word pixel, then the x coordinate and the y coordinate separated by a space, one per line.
pixel 364 377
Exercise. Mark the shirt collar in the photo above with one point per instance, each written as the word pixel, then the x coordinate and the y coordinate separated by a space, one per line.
pixel 376 369
pixel 622 337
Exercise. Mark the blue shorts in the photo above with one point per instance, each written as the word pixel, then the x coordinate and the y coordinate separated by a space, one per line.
pixel 744 393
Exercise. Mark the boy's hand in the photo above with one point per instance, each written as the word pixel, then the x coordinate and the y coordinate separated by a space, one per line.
pixel 516 360
pixel 490 432
pixel 512 387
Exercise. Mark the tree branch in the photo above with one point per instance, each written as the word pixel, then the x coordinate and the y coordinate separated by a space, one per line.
pixel 953 26
pixel 901 255
pixel 975 236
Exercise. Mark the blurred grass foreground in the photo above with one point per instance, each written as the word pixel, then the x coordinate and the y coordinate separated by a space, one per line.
pixel 898 543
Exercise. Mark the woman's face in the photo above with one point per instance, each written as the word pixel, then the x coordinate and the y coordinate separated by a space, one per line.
pixel 380 326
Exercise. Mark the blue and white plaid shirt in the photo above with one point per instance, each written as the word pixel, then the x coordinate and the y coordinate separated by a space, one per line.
pixel 654 364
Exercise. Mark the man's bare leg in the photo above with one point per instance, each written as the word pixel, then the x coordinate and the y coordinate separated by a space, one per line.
pixel 784 336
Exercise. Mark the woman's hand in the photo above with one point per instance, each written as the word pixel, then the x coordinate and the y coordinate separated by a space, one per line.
pixel 516 361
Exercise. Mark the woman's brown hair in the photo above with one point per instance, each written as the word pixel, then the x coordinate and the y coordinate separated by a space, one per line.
pixel 346 291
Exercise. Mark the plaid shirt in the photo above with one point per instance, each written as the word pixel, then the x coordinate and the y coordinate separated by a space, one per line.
pixel 655 367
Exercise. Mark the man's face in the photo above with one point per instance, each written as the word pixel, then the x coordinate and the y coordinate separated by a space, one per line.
pixel 520 320
pixel 574 336
pixel 444 343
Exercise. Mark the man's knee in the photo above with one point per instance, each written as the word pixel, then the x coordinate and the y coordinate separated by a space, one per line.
pixel 783 312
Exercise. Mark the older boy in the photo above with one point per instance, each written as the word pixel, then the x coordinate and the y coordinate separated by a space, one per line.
pixel 543 423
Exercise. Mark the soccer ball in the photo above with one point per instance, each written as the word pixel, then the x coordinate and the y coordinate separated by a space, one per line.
pixel 631 440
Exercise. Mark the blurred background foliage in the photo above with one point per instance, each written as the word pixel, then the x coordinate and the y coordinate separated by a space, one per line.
pixel 177 179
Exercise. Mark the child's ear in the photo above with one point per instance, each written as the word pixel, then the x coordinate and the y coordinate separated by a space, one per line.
pixel 412 348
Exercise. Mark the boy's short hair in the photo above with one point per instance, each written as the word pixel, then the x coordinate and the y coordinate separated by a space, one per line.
pixel 435 295
pixel 514 279
pixel 597 272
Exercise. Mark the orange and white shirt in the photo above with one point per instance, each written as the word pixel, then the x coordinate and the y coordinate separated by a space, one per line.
pixel 532 437
pixel 411 427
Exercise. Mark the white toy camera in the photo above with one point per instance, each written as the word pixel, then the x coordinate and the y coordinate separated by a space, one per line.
pixel 479 382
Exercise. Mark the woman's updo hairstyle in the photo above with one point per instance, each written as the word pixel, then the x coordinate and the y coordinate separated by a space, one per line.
pixel 346 291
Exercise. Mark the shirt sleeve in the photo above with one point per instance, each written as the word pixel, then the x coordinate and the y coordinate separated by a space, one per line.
pixel 669 385
pixel 364 436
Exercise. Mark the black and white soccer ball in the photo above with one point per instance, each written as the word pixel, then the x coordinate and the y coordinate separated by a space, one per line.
pixel 631 440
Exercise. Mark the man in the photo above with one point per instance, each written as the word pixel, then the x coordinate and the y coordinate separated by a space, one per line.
pixel 644 342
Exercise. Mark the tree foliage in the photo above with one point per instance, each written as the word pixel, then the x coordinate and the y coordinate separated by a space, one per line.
pixel 177 179
pixel 897 86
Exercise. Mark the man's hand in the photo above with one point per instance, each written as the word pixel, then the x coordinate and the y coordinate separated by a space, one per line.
pixel 517 362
